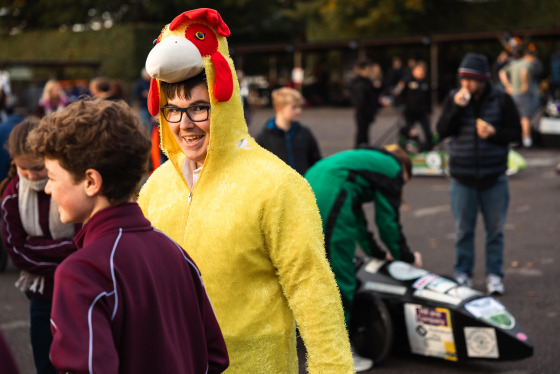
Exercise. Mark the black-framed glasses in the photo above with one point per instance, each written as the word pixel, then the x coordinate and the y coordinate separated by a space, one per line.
pixel 196 113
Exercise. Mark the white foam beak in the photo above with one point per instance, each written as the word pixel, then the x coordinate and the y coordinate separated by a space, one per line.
pixel 173 60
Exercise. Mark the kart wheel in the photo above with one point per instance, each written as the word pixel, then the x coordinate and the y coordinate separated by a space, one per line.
pixel 371 327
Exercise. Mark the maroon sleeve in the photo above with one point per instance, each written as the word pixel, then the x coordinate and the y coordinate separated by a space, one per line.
pixel 36 255
pixel 218 359
pixel 81 321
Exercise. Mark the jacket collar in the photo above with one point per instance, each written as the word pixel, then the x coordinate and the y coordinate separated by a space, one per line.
pixel 125 216
pixel 271 124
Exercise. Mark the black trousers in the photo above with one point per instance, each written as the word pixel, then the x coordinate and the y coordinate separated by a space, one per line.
pixel 424 120
pixel 362 132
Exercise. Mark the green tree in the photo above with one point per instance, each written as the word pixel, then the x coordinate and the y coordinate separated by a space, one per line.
pixel 251 20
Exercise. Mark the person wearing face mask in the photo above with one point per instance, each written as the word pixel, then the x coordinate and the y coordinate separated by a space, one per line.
pixel 35 238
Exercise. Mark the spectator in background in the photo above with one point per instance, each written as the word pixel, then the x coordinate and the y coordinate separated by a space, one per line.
pixel 285 136
pixel 365 100
pixel 117 91
pixel 5 93
pixel 5 130
pixel 502 60
pixel 100 87
pixel 394 75
pixel 52 100
pixel 481 122
pixel 517 78
pixel 536 77
pixel 555 75
pixel 416 96
pixel 244 92
pixel 377 81
pixel 141 90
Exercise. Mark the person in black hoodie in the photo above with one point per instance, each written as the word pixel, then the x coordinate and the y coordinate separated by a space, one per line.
pixel 284 136
pixel 365 100
pixel 417 101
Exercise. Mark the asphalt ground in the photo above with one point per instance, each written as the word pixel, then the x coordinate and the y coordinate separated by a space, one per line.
pixel 532 250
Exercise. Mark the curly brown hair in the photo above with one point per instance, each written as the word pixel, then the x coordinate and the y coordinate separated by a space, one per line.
pixel 97 134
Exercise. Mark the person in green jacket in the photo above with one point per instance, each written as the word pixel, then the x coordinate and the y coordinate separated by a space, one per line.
pixel 342 183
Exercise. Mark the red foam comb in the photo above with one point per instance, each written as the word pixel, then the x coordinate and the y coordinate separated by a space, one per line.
pixel 153 98
pixel 209 15
pixel 223 82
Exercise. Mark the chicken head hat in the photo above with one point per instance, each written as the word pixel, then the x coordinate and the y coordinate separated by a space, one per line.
pixel 193 42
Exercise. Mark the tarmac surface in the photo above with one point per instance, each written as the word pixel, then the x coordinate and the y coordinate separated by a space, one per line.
pixel 531 252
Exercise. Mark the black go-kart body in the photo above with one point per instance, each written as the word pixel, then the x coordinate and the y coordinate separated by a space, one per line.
pixel 398 306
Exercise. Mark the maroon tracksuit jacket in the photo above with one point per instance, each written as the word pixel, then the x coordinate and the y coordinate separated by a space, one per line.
pixel 131 301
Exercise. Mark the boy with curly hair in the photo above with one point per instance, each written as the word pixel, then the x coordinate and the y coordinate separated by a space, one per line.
pixel 129 300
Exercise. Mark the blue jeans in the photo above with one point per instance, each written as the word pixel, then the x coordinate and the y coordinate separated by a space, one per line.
pixel 41 336
pixel 493 202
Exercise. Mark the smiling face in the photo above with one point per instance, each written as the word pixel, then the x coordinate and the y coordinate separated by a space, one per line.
pixel 192 137
pixel 74 205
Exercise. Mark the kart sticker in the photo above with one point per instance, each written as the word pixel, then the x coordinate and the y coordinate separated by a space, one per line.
pixel 430 332
pixel 484 306
pixel 405 272
pixel 433 160
pixel 374 265
pixel 386 288
pixel 437 297
pixel 502 319
pixel 491 311
pixel 441 284
pixel 481 342
pixel 463 292
pixel 424 281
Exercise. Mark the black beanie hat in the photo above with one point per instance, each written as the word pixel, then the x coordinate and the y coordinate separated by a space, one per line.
pixel 474 66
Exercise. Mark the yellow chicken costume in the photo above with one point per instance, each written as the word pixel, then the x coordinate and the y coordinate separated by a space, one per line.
pixel 250 223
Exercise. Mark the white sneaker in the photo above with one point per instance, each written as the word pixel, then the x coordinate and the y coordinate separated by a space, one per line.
pixel 360 363
pixel 527 142
pixel 494 285
pixel 463 279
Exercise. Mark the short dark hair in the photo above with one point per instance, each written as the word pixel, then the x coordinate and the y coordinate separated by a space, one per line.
pixel 97 134
pixel 363 63
pixel 182 89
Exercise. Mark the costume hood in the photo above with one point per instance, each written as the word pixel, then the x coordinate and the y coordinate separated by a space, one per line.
pixel 192 42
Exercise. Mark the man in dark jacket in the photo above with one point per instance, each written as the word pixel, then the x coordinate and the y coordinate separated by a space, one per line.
pixel 285 136
pixel 480 122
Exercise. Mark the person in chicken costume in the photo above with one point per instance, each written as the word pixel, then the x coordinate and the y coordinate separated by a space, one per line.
pixel 248 220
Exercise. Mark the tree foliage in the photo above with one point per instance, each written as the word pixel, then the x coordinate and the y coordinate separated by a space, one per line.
pixel 252 20
pixel 289 20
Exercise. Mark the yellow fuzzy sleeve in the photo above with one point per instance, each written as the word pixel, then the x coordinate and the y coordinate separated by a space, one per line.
pixel 296 246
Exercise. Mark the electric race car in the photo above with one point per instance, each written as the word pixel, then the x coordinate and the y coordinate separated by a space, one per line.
pixel 399 306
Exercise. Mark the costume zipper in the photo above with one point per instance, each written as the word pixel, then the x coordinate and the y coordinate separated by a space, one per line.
pixel 190 197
